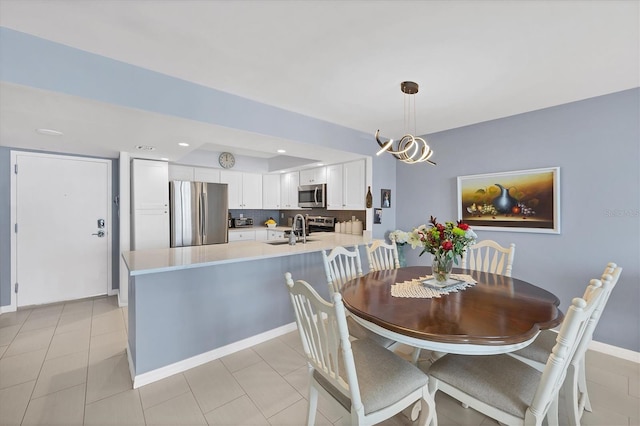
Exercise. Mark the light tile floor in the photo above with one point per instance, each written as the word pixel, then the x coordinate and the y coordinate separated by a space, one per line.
pixel 65 364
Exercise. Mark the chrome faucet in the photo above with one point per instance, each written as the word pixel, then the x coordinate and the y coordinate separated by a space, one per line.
pixel 303 225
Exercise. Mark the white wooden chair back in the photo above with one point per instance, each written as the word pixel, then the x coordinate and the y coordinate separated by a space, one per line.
pixel 575 390
pixel 322 326
pixel 330 354
pixel 382 256
pixel 341 265
pixel 574 327
pixel 489 256
pixel 609 280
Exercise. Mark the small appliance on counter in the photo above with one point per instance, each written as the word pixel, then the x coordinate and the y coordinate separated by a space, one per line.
pixel 241 222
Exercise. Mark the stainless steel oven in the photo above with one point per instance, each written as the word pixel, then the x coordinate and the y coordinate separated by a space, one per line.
pixel 312 195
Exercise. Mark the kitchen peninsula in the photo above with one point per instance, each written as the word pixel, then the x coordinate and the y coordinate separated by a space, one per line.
pixel 190 305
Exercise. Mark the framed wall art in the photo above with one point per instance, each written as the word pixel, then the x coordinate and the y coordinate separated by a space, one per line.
pixel 385 196
pixel 377 216
pixel 519 201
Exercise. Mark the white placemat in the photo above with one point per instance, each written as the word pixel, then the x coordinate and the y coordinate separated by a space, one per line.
pixel 415 288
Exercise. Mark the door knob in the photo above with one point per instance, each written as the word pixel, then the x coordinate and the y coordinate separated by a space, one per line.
pixel 100 234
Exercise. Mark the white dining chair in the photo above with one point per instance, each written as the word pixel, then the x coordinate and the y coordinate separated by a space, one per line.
pixel 340 266
pixel 537 353
pixel 368 382
pixel 382 255
pixel 489 256
pixel 508 390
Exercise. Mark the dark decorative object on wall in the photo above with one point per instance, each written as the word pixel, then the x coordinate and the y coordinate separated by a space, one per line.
pixel 369 198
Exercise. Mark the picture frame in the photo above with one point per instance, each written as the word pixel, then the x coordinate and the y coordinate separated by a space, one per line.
pixel 385 198
pixel 377 216
pixel 517 201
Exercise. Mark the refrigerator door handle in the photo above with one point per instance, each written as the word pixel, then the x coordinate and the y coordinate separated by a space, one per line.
pixel 203 219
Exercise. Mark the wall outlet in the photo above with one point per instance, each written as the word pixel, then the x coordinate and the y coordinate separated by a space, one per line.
pixel 281 215
pixel 241 215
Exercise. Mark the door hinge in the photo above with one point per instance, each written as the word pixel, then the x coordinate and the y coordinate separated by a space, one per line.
pixel 15 168
pixel 15 288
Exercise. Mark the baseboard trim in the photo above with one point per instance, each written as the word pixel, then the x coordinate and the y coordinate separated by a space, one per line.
pixel 180 366
pixel 7 308
pixel 121 304
pixel 615 351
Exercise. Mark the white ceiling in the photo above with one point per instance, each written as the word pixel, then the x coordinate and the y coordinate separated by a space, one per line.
pixel 339 61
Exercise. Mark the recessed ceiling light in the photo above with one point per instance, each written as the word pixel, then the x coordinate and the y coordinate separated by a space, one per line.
pixel 164 159
pixel 320 164
pixel 282 151
pixel 49 132
pixel 145 148
pixel 183 144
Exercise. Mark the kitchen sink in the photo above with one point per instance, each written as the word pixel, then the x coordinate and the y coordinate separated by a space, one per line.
pixel 283 242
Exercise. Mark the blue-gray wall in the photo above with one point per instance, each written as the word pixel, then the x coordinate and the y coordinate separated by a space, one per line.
pixel 596 144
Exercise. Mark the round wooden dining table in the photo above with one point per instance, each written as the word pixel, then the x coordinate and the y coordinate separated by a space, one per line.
pixel 498 314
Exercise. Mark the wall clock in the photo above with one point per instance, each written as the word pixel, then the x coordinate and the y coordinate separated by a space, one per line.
pixel 227 160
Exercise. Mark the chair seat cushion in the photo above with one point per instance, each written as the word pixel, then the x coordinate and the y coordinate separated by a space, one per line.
pixel 360 332
pixel 540 349
pixel 498 380
pixel 383 377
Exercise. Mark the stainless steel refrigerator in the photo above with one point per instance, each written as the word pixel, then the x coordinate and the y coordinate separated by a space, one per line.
pixel 198 213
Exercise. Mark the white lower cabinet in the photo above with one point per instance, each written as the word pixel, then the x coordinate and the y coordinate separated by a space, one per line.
pixel 274 234
pixel 261 235
pixel 248 235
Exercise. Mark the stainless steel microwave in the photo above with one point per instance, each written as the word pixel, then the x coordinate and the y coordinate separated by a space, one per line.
pixel 312 195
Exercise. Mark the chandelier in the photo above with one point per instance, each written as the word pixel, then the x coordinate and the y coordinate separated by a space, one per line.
pixel 409 149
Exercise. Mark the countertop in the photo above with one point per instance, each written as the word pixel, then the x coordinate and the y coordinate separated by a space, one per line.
pixel 258 227
pixel 173 259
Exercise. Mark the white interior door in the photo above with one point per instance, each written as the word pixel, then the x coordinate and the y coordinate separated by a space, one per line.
pixel 58 202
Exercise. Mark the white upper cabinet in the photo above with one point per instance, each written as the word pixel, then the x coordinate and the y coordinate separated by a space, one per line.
pixel 203 174
pixel 334 187
pixel 149 184
pixel 289 190
pixel 178 172
pixel 245 189
pixel 354 185
pixel 346 186
pixel 271 191
pixel 313 176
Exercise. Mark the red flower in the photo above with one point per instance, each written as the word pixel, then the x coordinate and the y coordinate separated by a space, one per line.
pixel 447 245
pixel 463 226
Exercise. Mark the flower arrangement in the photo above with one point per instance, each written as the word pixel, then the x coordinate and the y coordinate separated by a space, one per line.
pixel 399 236
pixel 448 240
